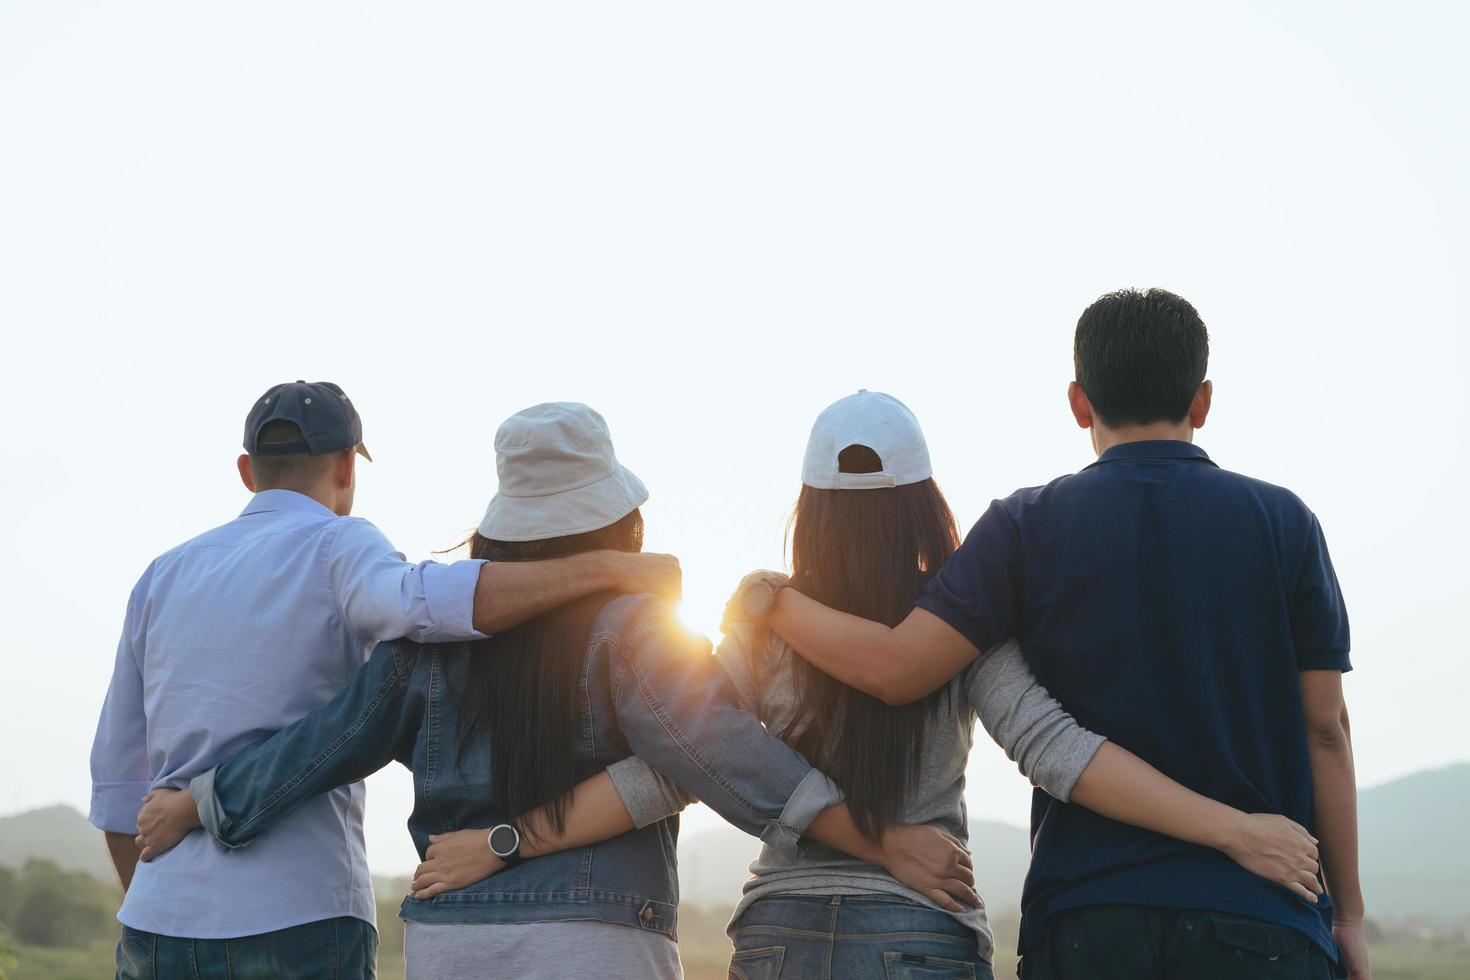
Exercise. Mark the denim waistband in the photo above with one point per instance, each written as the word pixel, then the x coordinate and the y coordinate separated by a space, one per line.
pixel 839 914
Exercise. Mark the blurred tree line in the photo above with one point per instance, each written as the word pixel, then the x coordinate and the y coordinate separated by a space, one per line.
pixel 42 905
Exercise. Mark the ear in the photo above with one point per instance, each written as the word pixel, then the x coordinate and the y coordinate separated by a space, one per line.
pixel 346 469
pixel 246 477
pixel 1199 409
pixel 1081 407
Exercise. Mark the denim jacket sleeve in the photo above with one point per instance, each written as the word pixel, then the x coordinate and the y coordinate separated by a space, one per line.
pixel 1047 744
pixel 679 712
pixel 347 739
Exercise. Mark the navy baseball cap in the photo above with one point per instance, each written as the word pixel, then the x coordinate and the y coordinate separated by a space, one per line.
pixel 320 409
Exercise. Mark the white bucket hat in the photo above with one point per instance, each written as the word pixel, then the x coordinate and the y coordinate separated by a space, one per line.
pixel 880 422
pixel 558 476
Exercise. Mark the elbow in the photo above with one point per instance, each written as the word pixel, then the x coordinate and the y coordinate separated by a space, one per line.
pixel 1328 733
pixel 896 688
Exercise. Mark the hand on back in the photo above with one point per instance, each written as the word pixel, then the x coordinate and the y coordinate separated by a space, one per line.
pixel 166 817
pixel 932 862
pixel 1280 850
pixel 453 861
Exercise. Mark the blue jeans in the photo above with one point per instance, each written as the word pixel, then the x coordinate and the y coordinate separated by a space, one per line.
pixel 852 938
pixel 333 949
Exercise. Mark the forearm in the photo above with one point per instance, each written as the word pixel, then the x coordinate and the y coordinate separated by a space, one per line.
pixel 835 827
pixel 1121 786
pixel 346 740
pixel 595 813
pixel 124 853
pixel 1335 790
pixel 856 651
pixel 509 593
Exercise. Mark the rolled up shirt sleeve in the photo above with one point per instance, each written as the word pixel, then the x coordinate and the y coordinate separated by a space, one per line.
pixel 648 794
pixel 383 596
pixel 1047 744
pixel 120 772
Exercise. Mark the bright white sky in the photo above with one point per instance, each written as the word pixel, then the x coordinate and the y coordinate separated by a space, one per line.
pixel 709 221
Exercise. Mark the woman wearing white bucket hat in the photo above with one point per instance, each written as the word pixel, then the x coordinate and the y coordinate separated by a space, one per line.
pixel 529 736
pixel 870 527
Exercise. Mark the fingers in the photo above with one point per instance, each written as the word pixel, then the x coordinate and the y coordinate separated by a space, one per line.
pixel 962 892
pixel 943 900
pixel 423 879
pixel 964 874
pixel 1308 878
pixel 1302 892
pixel 431 891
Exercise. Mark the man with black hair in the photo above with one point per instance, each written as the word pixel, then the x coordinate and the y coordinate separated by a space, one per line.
pixel 1189 614
pixel 241 631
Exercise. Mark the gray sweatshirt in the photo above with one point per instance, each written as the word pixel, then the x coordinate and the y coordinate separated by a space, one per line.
pixel 1045 742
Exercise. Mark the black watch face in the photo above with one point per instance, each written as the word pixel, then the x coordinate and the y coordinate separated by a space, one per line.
pixel 504 840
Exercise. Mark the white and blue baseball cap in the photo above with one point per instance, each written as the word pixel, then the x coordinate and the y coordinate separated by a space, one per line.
pixel 880 422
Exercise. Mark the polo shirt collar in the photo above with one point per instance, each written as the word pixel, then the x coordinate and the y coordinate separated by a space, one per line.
pixel 1155 449
pixel 276 501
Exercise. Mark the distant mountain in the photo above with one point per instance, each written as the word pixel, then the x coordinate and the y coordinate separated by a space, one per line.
pixel 59 833
pixel 1414 838
pixel 1415 844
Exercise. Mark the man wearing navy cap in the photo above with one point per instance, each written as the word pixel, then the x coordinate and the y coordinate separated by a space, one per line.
pixel 246 628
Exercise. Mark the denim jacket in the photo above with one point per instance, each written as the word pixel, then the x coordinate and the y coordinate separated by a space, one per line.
pixel 647 687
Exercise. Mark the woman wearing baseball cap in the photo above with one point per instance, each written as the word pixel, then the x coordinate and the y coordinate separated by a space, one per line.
pixel 870 527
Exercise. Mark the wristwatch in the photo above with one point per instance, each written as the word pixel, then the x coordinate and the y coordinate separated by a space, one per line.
pixel 505 843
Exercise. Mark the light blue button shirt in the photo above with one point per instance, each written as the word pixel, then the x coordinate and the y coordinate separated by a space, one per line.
pixel 228 638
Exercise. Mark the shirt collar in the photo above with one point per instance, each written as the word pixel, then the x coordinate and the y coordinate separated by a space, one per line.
pixel 1159 449
pixel 275 501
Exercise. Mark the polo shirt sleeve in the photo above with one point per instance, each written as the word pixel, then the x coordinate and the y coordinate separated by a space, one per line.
pixel 975 592
pixel 1319 621
pixel 383 596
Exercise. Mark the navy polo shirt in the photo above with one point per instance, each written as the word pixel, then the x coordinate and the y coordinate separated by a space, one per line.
pixel 1167 604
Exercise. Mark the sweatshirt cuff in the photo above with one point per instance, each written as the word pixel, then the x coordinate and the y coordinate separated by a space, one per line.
pixel 449 594
pixel 647 796
pixel 115 806
pixel 1064 761
pixel 813 794
pixel 216 823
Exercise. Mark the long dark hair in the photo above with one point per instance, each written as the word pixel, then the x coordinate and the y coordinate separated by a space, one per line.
pixel 521 694
pixel 869 553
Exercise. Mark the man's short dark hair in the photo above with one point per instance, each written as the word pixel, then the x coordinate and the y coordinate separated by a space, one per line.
pixel 1140 356
pixel 291 471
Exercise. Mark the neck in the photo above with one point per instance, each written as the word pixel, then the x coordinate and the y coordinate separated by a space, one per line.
pixel 321 495
pixel 1106 437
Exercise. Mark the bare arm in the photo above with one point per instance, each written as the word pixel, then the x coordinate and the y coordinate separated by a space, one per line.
pixel 925 858
pixel 921 857
pixel 896 665
pixel 596 813
pixel 124 853
pixel 508 593
pixel 1335 806
pixel 1121 786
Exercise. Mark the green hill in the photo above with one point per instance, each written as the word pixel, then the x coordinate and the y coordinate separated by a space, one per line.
pixel 58 833
pixel 1415 845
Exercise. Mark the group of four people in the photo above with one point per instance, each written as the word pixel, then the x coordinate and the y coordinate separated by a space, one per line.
pixel 1156 642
